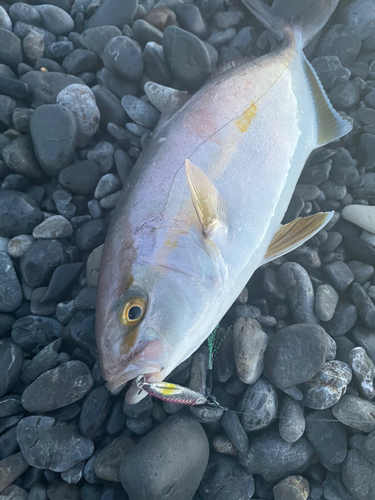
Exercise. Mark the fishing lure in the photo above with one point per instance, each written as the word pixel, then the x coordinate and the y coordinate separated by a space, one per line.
pixel 175 393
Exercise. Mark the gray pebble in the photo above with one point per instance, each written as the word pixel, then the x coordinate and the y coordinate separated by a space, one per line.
pixel 55 226
pixel 355 412
pixel 358 475
pixel 341 41
pixel 344 96
pixel 55 20
pixel 111 200
pixel 10 288
pixel 326 299
pixel 74 474
pixel 330 71
pixel 123 57
pixel 96 39
pixel 5 21
pixel 92 266
pixel 103 155
pixel 292 488
pixel 198 371
pixel 46 85
pixel 33 46
pixel 260 405
pixel 11 468
pixel 107 185
pixel 232 426
pixel 364 371
pixel 108 461
pixel 19 157
pixel 249 346
pixel 113 13
pixel 366 307
pixel 11 363
pixel 339 274
pixel 140 112
pixel 292 422
pixel 45 360
pixel 222 444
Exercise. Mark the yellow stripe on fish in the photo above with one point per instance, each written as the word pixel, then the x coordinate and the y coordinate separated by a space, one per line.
pixel 243 123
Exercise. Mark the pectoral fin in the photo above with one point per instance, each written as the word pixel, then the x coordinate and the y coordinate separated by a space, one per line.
pixel 210 206
pixel 291 236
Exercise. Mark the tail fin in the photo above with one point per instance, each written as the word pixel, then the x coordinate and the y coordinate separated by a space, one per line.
pixel 309 15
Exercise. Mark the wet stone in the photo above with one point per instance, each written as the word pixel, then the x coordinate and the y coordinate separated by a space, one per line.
pixel 48 444
pixel 11 468
pixel 224 478
pixel 260 405
pixel 81 177
pixel 39 262
pixel 179 436
pixel 58 387
pixel 59 49
pixel 328 385
pixel 302 348
pixel 80 100
pixel 94 411
pixel 123 57
pixel 20 158
pixel 231 424
pixel 187 57
pixel 273 458
pixel 19 213
pixel 10 289
pixel 55 226
pixel 10 365
pixel 363 370
pixel 249 344
pixel 299 290
pixel 46 359
pixel 45 86
pixel 292 488
pixel 359 475
pixel 326 299
pixel 33 46
pixel 55 20
pixel 355 412
pixel 366 307
pixel 53 131
pixel 330 71
pixel 292 422
pixel 86 299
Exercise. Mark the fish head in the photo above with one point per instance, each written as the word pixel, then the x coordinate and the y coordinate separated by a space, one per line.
pixel 153 299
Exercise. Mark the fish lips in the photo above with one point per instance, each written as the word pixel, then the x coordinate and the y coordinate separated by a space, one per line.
pixel 146 359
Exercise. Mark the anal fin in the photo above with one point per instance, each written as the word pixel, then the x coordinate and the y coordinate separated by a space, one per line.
pixel 331 126
pixel 292 235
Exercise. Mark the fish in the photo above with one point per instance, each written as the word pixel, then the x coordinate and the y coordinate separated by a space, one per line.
pixel 203 206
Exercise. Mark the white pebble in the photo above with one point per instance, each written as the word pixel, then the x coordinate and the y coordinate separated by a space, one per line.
pixel 361 215
pixel 19 245
pixel 53 227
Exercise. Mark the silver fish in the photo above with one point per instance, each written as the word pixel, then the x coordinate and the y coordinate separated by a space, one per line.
pixel 202 208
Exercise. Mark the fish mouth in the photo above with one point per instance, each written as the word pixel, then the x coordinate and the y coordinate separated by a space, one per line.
pixel 142 361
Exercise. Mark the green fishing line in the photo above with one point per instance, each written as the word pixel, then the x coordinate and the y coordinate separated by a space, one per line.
pixel 214 342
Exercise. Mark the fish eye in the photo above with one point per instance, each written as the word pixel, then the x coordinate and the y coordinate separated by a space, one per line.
pixel 133 311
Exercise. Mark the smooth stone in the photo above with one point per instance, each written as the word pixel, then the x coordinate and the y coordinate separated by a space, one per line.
pixel 74 474
pixel 205 414
pixel 179 436
pixel 140 410
pixel 330 71
pixel 33 333
pixel 55 226
pixel 231 424
pixel 299 291
pixel 62 278
pixel 340 41
pixel 94 411
pixel 81 177
pixel 225 479
pixel 259 405
pixel 48 444
pixel 80 60
pixel 5 21
pixel 159 95
pixel 10 288
pixel 339 274
pixel 187 57
pixel 343 320
pixel 364 371
pixel 292 488
pixel 19 213
pixel 20 158
pixel 10 405
pixel 96 38
pixel 26 13
pixel 11 468
pixel 362 272
pixel 273 458
pixel 291 420
pixel 46 359
pixel 198 372
pixel 36 269
pixel 7 105
pixel 108 461
pixel 222 444
pixel 86 299
pixel 108 184
pixel 364 304
pixel 92 266
pixel 53 131
pixel 91 234
pixel 113 13
pixel 10 48
pixel 55 20
pixel 14 492
pixel 8 443
pixel 362 216
pixel 327 386
pixel 249 344
pixel 123 56
pixel 367 150
pixel 224 367
pixel 109 106
pixel 58 387
pixel 45 86
pixel 140 112
pixel 103 155
pixel 58 490
pixel 358 475
pixel 33 46
pixel 326 299
pixel 302 348
pixel 139 427
pixel 355 412
pixel 144 32
pixel 11 364
pixel 80 100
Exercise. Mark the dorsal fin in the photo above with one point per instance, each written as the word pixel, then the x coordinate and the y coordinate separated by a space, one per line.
pixel 224 67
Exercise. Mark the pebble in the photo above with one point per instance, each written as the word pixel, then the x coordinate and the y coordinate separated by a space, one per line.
pixel 20 158
pixel 80 60
pixel 92 266
pixel 222 444
pixel 58 490
pixel 179 436
pixel 26 13
pixel 355 412
pixel 94 411
pixel 74 474
pixel 53 131
pixel 33 46
pixel 10 289
pixel 55 20
pixel 123 56
pixel 109 106
pixel 11 363
pixel 103 155
pixel 363 370
pixel 45 86
pixel 140 112
pixel 96 38
pixel 225 479
pixel 55 226
pixel 187 57
pixel 113 13
pixel 32 333
pixel 48 444
pixel 108 461
pixel 344 96
pixel 19 213
pixel 367 150
pixel 362 272
pixel 11 468
pixel 7 106
pixel 107 185
pixel 224 367
pixel 339 274
pixel 46 359
pixel 10 49
pixel 362 216
pixel 343 320
pixel 292 421
pixel 341 41
pixel 81 177
pixel 259 404
pixel 8 443
pixel 292 488
pixel 9 405
pixel 366 307
pixel 326 299
pixel 62 277
pixel 231 424
pixel 299 292
pixel 190 19
pixel 140 410
pixel 358 475
pixel 249 346
pixel 58 387
pixel 330 71
pixel 198 372
pixel 206 415
pixel 80 100
pixel 273 458
pixel 91 234
pixel 302 348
